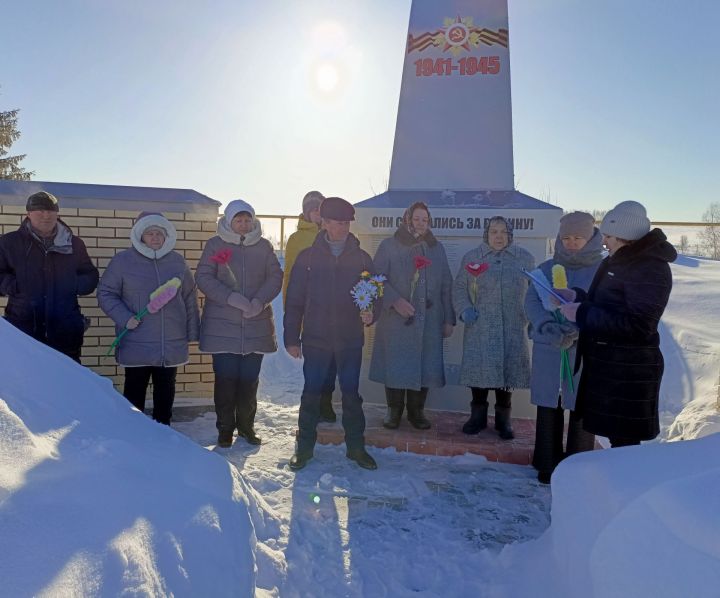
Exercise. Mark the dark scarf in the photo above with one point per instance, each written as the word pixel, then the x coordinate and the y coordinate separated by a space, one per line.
pixel 405 237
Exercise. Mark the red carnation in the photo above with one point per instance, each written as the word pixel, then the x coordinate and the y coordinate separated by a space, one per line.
pixel 222 256
pixel 421 262
pixel 475 269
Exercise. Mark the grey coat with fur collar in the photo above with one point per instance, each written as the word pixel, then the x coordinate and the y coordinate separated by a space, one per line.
pixel 256 274
pixel 162 338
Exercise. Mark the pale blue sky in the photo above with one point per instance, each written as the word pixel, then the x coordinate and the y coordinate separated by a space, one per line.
pixel 612 99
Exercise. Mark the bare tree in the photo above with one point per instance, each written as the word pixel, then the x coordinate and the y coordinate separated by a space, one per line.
pixel 684 244
pixel 710 235
pixel 598 214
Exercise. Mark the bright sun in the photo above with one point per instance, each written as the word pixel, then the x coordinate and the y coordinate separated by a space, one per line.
pixel 326 77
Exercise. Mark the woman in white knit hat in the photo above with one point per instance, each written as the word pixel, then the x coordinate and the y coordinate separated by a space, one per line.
pixel 157 344
pixel 619 344
pixel 240 276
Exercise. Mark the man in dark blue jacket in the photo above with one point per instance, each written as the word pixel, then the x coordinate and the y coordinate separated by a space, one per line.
pixel 321 317
pixel 43 269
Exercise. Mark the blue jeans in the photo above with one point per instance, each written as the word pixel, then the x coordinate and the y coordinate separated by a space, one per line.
pixel 316 366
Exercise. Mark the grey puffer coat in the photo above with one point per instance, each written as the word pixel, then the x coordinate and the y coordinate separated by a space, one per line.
pixel 162 338
pixel 411 355
pixel 495 347
pixel 548 336
pixel 256 274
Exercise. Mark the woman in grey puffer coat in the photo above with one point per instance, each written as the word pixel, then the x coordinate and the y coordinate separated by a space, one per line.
pixel 408 350
pixel 240 275
pixel 157 344
pixel 489 297
pixel 579 250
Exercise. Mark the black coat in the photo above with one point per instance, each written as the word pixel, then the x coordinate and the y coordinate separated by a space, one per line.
pixel 43 286
pixel 319 305
pixel 619 344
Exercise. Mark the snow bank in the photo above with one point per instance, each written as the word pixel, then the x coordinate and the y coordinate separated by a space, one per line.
pixel 97 499
pixel 635 521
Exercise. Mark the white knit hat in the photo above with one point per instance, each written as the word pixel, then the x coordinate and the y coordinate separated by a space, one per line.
pixel 628 220
pixel 235 207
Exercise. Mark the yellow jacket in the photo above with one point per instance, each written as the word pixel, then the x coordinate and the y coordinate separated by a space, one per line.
pixel 299 240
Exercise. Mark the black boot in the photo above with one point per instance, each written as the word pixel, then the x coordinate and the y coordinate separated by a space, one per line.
pixel 503 412
pixel 396 405
pixel 416 409
pixel 361 457
pixel 478 412
pixel 578 440
pixel 224 398
pixel 225 438
pixel 548 452
pixel 299 460
pixel 327 414
pixel 250 436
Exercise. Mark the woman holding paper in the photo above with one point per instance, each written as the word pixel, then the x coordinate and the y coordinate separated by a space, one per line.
pixel 578 253
pixel 619 345
pixel 489 296
pixel 155 345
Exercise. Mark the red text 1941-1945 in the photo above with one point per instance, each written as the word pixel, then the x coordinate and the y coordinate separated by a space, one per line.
pixel 471 65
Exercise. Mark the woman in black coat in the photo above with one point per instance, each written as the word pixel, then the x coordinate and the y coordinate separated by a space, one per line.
pixel 619 344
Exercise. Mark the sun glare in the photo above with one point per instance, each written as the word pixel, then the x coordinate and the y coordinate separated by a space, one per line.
pixel 327 77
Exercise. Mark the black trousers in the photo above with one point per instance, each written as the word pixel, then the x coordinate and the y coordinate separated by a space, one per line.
pixel 236 384
pixel 315 369
pixel 163 381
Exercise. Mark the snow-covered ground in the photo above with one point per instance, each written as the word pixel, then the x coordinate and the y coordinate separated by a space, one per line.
pixel 98 500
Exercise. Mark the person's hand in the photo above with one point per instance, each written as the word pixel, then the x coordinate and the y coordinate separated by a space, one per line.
pixel 403 307
pixel 569 310
pixel 255 308
pixel 447 330
pixel 132 323
pixel 366 316
pixel 294 351
pixel 567 294
pixel 469 316
pixel 238 301
pixel 560 336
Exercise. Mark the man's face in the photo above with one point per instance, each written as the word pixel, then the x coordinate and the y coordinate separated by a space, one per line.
pixel 498 237
pixel 43 221
pixel 337 230
pixel 315 216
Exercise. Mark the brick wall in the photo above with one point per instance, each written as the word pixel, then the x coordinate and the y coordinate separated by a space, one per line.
pixel 105 233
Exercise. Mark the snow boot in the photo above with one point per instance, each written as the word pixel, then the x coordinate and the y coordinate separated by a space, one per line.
pixel 416 409
pixel 395 398
pixel 578 440
pixel 478 412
